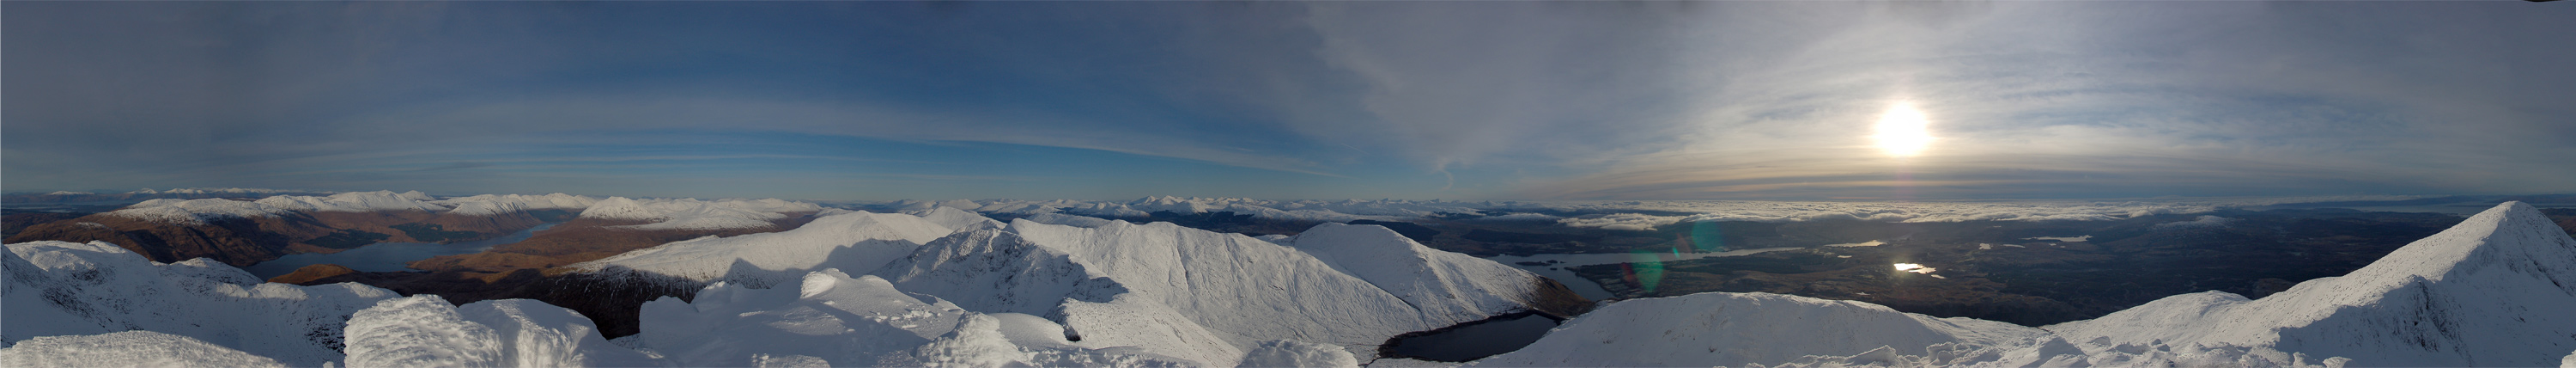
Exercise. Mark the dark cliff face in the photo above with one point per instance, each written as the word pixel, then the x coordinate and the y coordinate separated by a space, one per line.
pixel 247 241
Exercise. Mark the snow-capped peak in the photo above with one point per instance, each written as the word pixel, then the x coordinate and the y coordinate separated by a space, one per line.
pixel 196 211
pixel 382 200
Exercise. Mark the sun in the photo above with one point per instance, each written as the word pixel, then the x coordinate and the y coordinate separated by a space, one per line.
pixel 1903 131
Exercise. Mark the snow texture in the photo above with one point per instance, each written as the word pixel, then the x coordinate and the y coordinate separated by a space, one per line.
pixel 425 331
pixel 127 349
pixel 62 288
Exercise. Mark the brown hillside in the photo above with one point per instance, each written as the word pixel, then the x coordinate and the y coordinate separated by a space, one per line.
pixel 310 273
pixel 247 241
pixel 581 240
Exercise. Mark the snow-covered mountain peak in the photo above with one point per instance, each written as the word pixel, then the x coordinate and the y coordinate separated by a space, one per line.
pixel 196 211
pixel 382 200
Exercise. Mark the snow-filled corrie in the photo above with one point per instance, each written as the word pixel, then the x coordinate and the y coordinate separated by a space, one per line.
pixel 855 240
pixel 70 289
pixel 2491 291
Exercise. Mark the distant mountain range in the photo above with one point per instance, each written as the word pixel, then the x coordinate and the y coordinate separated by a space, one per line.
pixel 684 282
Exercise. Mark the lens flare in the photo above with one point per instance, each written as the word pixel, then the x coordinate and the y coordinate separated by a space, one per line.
pixel 1903 131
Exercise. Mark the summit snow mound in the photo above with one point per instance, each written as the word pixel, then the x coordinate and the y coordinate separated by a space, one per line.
pixel 1211 297
pixel 2495 290
pixel 855 240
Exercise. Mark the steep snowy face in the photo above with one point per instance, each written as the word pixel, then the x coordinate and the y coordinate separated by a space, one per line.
pixel 490 204
pixel 425 331
pixel 194 212
pixel 1737 329
pixel 1441 284
pixel 2494 290
pixel 1206 296
pixel 694 214
pixel 356 202
pixel 63 289
pixel 855 240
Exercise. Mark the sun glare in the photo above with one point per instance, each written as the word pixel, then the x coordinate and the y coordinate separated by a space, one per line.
pixel 1903 131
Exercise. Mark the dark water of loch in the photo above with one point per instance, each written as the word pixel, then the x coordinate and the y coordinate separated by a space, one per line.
pixel 383 257
pixel 1474 340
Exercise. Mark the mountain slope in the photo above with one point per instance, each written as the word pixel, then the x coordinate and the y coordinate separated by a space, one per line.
pixel 2493 291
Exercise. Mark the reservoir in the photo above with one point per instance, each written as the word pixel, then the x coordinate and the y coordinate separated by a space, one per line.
pixel 1473 340
pixel 383 257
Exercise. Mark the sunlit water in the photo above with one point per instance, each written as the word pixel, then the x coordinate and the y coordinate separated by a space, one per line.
pixel 383 257
pixel 1587 288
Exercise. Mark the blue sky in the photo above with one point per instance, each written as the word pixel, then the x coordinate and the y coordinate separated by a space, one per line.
pixel 1093 100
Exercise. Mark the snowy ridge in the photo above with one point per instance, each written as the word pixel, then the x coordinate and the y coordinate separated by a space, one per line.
pixel 855 240
pixel 491 204
pixel 221 191
pixel 687 213
pixel 382 200
pixel 62 288
pixel 194 212
pixel 2491 291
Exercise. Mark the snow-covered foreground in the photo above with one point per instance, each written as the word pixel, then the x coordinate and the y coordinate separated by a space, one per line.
pixel 940 288
pixel 1061 291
